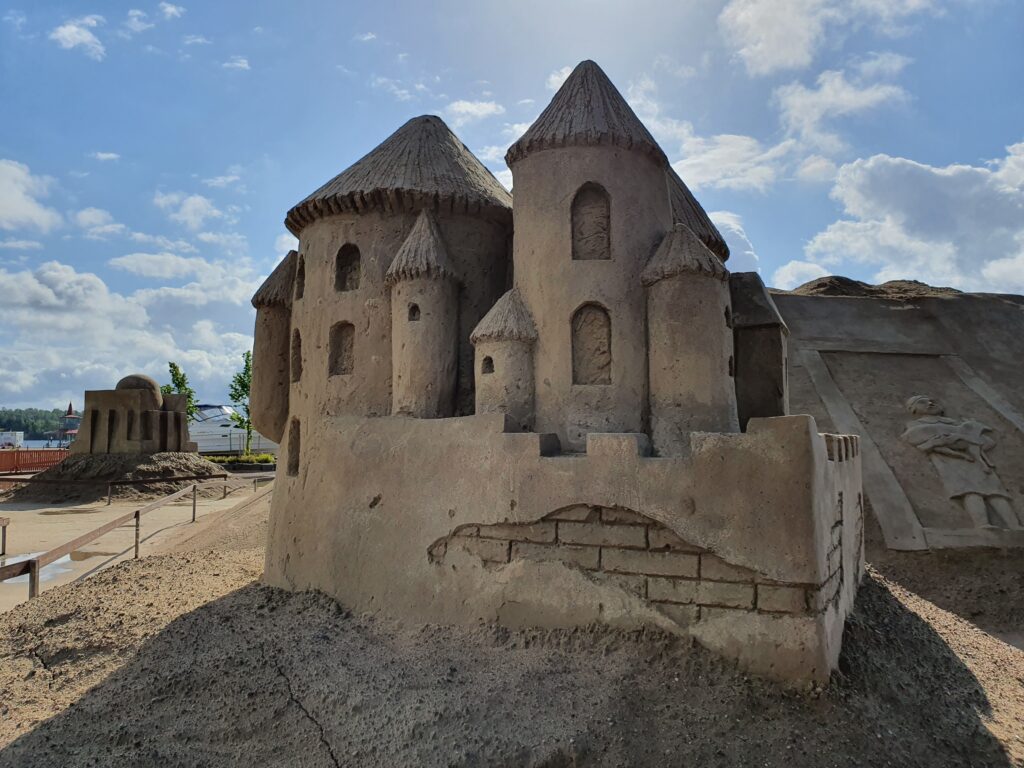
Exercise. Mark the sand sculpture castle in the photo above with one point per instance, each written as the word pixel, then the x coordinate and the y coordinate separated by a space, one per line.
pixel 594 431
pixel 134 417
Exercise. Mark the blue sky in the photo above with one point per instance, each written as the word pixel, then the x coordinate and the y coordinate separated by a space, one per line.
pixel 149 151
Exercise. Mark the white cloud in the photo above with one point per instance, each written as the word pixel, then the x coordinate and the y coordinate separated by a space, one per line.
pixel 724 161
pixel 492 154
pixel 882 65
pixel 10 244
pixel 504 178
pixel 515 130
pixel 158 265
pixel 816 168
pixel 237 62
pixel 105 156
pixel 16 19
pixel 742 257
pixel 774 35
pixel 98 223
pixel 171 11
pixel 77 34
pixel 191 210
pixel 222 181
pixel 285 242
pixel 804 111
pixel 556 78
pixel 525 102
pixel 394 87
pixel 366 37
pixel 462 112
pixel 161 241
pixel 55 351
pixel 19 206
pixel 136 22
pixel 196 40
pixel 231 243
pixel 958 225
pixel 672 67
pixel 795 273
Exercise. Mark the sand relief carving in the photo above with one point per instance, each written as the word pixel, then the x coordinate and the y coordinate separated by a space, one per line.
pixel 958 449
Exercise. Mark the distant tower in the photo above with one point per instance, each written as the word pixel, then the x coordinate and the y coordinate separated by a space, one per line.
pixel 591 204
pixel 424 324
pixel 504 342
pixel 760 337
pixel 690 344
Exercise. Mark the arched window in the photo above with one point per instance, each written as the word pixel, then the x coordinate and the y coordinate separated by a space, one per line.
pixel 294 447
pixel 591 222
pixel 296 355
pixel 414 312
pixel 341 354
pixel 591 345
pixel 346 268
pixel 300 278
pixel 487 365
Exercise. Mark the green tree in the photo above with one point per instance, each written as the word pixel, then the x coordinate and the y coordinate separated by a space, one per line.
pixel 238 391
pixel 179 385
pixel 34 422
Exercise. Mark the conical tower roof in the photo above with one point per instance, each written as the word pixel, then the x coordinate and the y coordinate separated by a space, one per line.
pixel 276 290
pixel 422 164
pixel 682 252
pixel 686 210
pixel 587 111
pixel 422 254
pixel 508 320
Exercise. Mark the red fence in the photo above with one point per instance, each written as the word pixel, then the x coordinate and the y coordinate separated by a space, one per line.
pixel 30 461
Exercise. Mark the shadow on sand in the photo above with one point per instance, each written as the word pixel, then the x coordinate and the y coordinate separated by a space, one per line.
pixel 262 677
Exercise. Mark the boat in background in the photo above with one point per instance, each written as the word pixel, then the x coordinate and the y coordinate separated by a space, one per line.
pixel 214 432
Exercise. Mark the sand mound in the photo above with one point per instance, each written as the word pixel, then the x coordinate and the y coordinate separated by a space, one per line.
pixel 184 660
pixel 899 290
pixel 87 476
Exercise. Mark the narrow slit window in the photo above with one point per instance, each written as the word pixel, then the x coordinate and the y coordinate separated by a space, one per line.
pixel 487 365
pixel 346 268
pixel 414 312
pixel 591 345
pixel 591 223
pixel 294 447
pixel 341 355
pixel 296 355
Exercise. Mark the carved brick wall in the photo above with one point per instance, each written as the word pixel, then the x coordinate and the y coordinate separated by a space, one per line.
pixel 640 555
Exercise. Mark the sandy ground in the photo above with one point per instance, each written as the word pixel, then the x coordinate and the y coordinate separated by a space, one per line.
pixel 36 528
pixel 183 659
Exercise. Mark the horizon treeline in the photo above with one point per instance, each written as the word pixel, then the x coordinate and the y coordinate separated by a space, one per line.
pixel 34 422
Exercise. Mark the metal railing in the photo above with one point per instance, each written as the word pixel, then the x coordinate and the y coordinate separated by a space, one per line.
pixel 225 478
pixel 34 565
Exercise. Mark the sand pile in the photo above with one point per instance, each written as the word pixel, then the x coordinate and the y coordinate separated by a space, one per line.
pixel 899 290
pixel 184 660
pixel 87 475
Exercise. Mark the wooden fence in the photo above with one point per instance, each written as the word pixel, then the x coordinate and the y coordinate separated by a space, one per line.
pixel 34 565
pixel 26 460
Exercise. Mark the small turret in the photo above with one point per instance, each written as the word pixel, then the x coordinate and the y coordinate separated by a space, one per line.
pixel 504 342
pixel 424 324
pixel 689 342
pixel 270 360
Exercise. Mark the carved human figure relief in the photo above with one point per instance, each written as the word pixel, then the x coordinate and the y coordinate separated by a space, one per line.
pixel 958 449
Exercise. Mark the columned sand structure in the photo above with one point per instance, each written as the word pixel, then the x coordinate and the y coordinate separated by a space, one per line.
pixel 594 432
